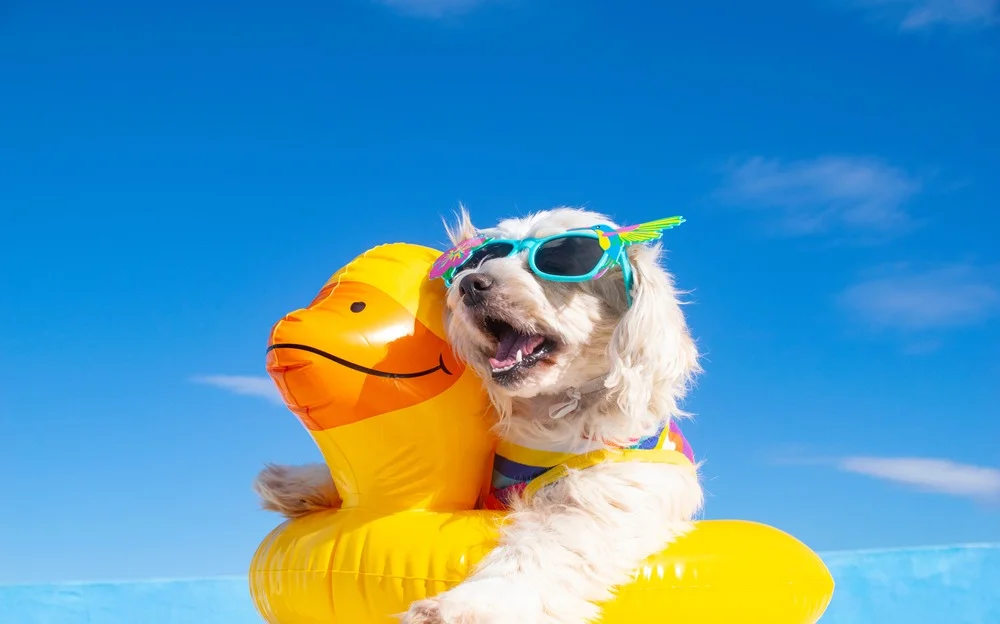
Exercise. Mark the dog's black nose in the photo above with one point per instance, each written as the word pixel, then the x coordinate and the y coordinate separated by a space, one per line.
pixel 473 288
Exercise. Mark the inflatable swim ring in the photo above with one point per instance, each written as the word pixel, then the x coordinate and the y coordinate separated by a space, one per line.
pixel 404 428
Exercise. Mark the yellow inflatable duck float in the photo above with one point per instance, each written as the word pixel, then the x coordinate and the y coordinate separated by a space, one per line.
pixel 405 430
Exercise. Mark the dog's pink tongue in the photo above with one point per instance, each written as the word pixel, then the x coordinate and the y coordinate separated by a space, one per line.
pixel 510 344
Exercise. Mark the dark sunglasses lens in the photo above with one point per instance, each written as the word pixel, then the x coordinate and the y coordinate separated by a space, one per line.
pixel 489 251
pixel 569 256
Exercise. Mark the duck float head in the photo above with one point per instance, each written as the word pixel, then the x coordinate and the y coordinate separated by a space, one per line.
pixel 366 368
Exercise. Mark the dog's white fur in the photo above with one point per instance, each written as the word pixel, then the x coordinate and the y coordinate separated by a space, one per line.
pixel 566 548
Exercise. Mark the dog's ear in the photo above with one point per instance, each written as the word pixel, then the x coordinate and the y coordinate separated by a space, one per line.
pixel 653 358
pixel 462 229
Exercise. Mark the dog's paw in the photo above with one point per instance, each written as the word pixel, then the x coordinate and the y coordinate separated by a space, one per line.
pixel 424 612
pixel 295 491
pixel 486 601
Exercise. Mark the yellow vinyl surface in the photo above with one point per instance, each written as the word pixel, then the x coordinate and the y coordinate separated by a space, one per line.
pixel 404 428
pixel 356 567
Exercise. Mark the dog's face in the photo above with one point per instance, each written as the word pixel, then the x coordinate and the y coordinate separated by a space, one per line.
pixel 528 336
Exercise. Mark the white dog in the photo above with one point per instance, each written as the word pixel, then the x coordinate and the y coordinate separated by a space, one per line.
pixel 578 371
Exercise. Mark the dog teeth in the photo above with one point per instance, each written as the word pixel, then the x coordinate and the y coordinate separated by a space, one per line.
pixel 518 358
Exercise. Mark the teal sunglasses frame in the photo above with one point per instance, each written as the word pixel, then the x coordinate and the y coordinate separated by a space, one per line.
pixel 613 243
pixel 532 245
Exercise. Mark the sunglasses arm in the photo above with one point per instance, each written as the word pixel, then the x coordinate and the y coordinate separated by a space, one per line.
pixel 627 275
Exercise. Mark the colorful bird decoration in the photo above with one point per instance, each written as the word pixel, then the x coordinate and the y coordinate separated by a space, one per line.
pixel 612 241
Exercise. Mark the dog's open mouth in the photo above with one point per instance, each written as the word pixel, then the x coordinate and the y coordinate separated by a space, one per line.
pixel 516 350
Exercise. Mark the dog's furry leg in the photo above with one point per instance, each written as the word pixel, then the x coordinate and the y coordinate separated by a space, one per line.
pixel 295 491
pixel 564 550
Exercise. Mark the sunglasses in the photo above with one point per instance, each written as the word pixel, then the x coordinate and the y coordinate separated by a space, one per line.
pixel 576 255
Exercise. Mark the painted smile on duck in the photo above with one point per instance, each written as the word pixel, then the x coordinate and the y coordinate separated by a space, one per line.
pixel 362 369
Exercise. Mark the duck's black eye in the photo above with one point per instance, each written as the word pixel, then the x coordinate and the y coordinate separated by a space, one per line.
pixel 357 306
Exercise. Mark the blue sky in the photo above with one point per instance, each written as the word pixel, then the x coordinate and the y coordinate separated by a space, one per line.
pixel 174 176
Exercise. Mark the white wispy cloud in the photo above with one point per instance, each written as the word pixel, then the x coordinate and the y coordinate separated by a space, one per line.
pixel 827 193
pixel 941 297
pixel 929 474
pixel 243 384
pixel 432 8
pixel 912 15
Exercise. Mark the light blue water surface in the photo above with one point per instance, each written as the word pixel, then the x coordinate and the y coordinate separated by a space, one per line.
pixel 942 585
